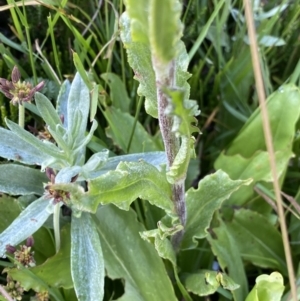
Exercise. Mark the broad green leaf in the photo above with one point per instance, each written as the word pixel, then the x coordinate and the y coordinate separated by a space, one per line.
pixel 27 223
pixel 121 126
pixel 14 148
pixel 117 92
pixel 87 265
pixel 203 202
pixel 256 167
pixel 207 282
pixel 129 257
pixel 55 271
pixel 247 154
pixel 47 147
pixel 20 180
pixel 62 102
pixel 78 110
pixel 165 29
pixel 257 240
pixel 267 287
pixel 131 180
pixel 47 111
pixel 229 257
pixel 284 111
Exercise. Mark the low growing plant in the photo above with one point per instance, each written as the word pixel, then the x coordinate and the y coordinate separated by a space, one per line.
pixel 102 236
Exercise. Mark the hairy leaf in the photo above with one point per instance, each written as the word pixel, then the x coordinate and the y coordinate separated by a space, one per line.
pixel 87 265
pixel 131 180
pixel 28 222
pixel 78 110
pixel 20 180
pixel 14 148
pixel 47 111
pixel 165 29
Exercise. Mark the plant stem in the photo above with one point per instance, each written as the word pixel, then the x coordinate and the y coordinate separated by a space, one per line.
pixel 166 79
pixel 21 116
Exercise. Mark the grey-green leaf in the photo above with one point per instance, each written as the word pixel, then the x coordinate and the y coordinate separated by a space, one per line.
pixel 47 111
pixel 21 180
pixel 62 101
pixel 47 147
pixel 78 105
pixel 14 148
pixel 27 223
pixel 87 265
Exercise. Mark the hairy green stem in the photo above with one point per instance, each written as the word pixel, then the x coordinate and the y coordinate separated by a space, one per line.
pixel 166 79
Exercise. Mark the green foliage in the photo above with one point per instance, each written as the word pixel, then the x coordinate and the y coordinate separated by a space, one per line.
pixel 130 236
pixel 267 287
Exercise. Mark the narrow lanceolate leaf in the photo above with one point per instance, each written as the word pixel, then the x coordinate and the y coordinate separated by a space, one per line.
pixel 129 257
pixel 20 180
pixel 27 223
pixel 47 111
pixel 165 29
pixel 14 148
pixel 78 106
pixel 62 102
pixel 131 180
pixel 49 148
pixel 87 264
pixel 202 203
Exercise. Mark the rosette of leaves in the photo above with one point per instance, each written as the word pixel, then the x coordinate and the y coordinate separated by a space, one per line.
pixel 119 180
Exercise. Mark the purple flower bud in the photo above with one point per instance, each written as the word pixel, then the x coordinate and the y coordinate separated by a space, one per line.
pixel 10 249
pixel 30 241
pixel 15 75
